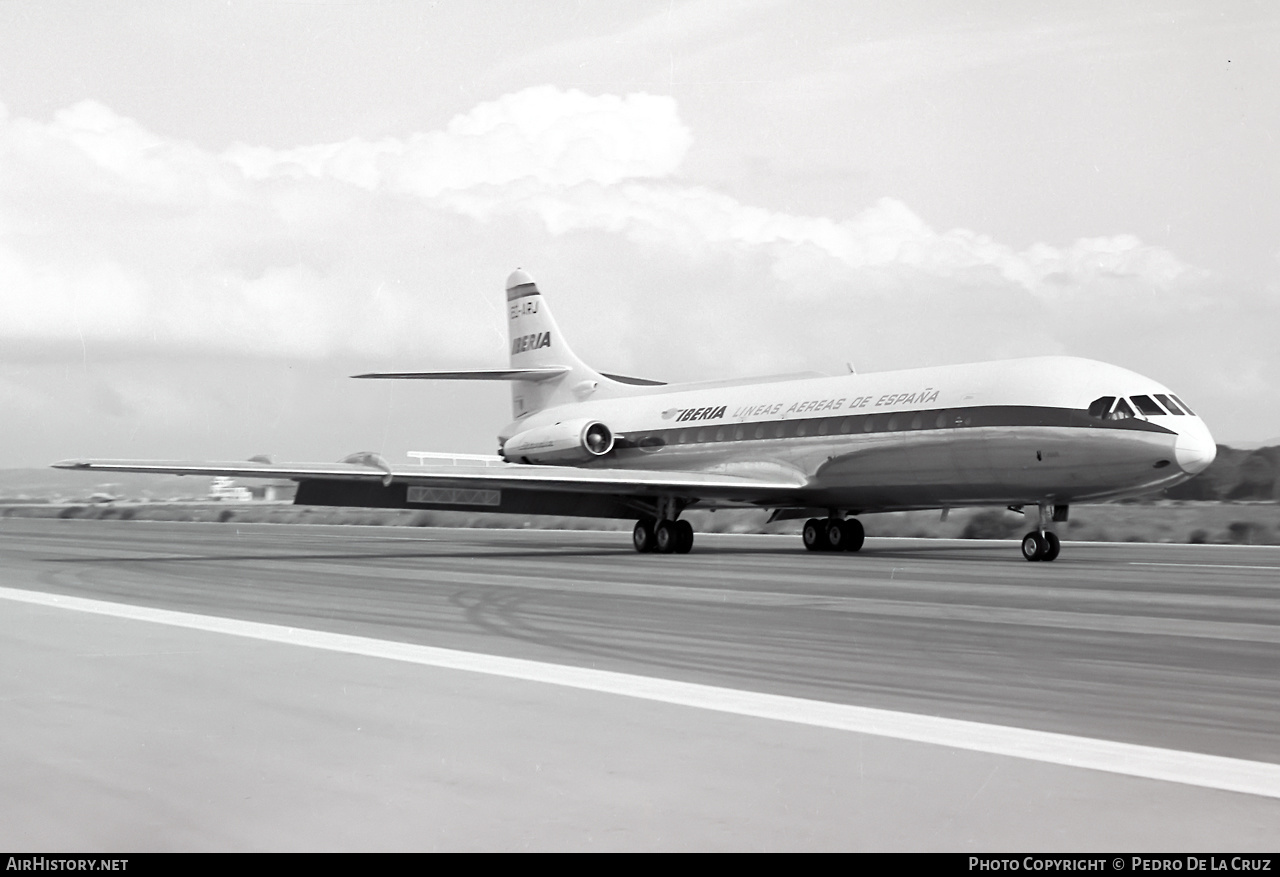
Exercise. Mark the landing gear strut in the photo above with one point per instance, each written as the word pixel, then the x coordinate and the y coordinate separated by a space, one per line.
pixel 833 534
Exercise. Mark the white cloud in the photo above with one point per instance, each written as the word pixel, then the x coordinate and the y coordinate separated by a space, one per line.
pixel 101 301
pixel 90 149
pixel 887 235
pixel 288 252
pixel 553 137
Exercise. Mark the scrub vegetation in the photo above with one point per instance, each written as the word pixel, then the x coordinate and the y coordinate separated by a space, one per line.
pixel 1240 523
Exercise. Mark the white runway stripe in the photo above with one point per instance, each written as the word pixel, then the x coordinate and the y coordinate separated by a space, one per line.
pixel 1210 771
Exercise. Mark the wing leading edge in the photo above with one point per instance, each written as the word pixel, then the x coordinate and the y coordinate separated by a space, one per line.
pixel 771 487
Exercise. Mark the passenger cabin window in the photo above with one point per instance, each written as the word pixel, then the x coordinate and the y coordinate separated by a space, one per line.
pixel 1185 406
pixel 1168 403
pixel 1099 407
pixel 1147 406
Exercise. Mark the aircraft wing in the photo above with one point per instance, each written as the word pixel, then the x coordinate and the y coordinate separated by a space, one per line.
pixel 770 485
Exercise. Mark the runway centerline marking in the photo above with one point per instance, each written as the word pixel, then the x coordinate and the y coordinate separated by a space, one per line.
pixel 1148 762
pixel 1205 565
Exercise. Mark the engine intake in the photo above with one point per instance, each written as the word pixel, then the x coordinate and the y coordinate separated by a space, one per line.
pixel 571 441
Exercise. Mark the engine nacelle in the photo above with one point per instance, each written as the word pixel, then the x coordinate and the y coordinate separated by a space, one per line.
pixel 572 441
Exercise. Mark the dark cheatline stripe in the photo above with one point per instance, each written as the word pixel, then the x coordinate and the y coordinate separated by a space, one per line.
pixel 524 289
pixel 931 419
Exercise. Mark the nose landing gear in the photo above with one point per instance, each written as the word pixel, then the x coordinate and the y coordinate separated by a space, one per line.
pixel 1042 543
pixel 1041 546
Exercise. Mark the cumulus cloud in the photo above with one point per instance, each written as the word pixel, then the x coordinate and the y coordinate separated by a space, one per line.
pixel 887 234
pixel 90 148
pixel 543 134
pixel 292 251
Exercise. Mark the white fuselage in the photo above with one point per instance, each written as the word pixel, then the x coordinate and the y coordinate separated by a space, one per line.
pixel 1008 432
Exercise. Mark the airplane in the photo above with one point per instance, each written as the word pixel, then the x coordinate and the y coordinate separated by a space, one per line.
pixel 1037 433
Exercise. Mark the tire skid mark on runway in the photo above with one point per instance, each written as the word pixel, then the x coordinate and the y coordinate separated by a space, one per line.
pixel 591 578
pixel 712 577
pixel 1209 771
pixel 1201 694
pixel 870 572
pixel 1036 617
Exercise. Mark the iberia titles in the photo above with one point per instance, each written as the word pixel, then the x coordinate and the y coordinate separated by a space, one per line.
pixel 530 342
pixel 709 413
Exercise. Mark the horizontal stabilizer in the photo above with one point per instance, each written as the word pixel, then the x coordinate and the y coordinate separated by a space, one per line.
pixel 543 373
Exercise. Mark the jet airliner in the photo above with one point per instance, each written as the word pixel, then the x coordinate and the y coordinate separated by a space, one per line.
pixel 1037 434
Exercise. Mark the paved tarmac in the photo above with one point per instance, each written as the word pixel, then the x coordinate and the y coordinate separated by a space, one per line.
pixel 135 735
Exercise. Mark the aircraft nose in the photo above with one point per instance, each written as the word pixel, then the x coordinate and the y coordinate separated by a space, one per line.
pixel 1195 448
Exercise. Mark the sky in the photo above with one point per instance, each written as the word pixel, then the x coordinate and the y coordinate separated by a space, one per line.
pixel 212 214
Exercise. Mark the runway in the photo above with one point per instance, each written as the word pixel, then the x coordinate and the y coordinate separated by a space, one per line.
pixel 1176 647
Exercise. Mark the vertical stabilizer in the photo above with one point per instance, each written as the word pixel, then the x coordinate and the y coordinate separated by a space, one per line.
pixel 544 372
pixel 537 342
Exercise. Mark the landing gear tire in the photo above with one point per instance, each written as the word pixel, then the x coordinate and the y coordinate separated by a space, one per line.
pixel 666 537
pixel 815 535
pixel 1034 546
pixel 1052 547
pixel 852 535
pixel 684 537
pixel 836 535
pixel 642 537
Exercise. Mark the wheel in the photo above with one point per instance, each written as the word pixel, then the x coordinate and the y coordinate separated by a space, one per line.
pixel 666 537
pixel 836 535
pixel 815 535
pixel 642 536
pixel 854 535
pixel 1034 546
pixel 684 530
pixel 1052 546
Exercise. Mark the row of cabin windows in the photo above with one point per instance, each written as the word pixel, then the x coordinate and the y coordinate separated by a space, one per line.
pixel 1113 408
pixel 818 426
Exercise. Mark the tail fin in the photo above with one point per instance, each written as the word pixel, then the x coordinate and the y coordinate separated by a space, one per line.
pixel 544 371
pixel 538 344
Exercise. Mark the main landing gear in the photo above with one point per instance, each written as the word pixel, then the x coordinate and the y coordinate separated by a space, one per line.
pixel 833 534
pixel 1042 543
pixel 662 537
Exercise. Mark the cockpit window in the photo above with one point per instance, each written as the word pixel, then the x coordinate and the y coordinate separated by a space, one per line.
pixel 1185 406
pixel 1099 407
pixel 1167 403
pixel 1122 411
pixel 1147 406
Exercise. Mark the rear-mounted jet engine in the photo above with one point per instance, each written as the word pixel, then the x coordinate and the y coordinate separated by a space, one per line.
pixel 568 442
